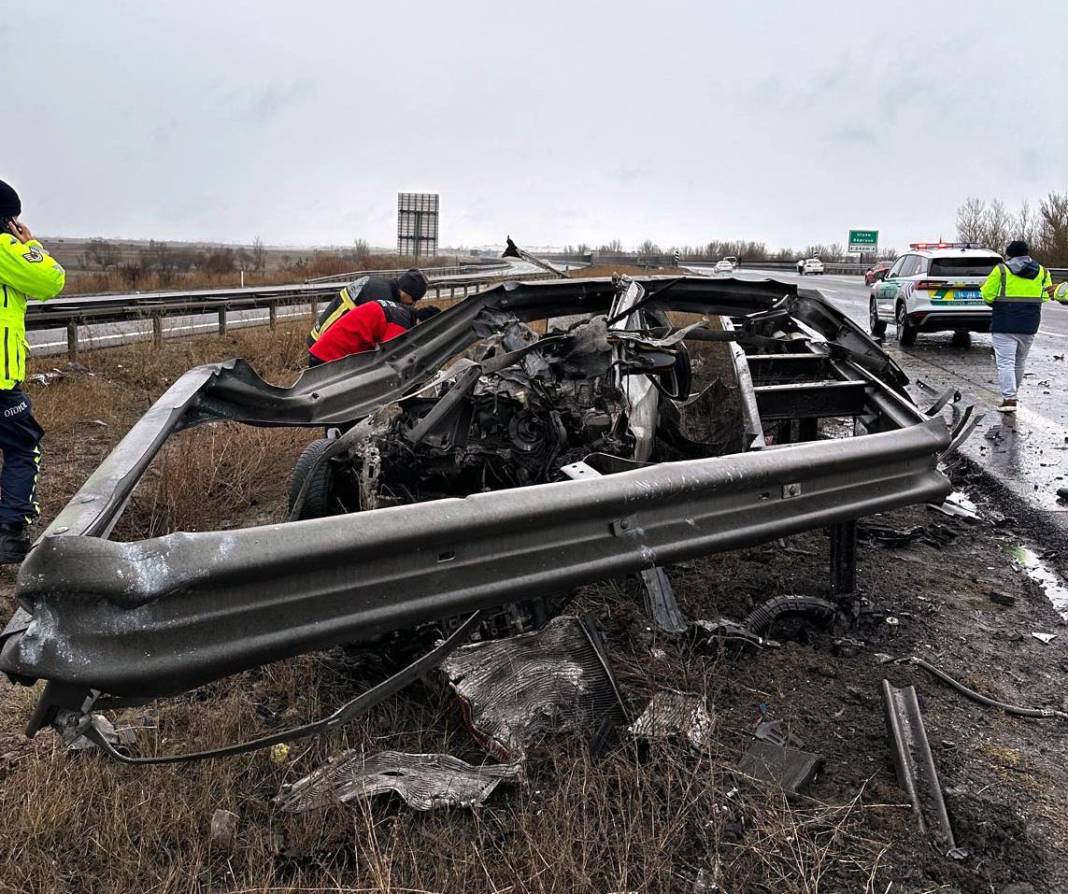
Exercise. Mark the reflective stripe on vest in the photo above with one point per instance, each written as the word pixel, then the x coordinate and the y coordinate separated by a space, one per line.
pixel 336 310
pixel 1004 284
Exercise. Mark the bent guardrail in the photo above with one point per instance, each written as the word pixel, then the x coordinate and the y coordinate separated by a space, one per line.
pixel 160 616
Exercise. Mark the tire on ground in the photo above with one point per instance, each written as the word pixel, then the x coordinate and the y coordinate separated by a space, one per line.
pixel 877 326
pixel 906 334
pixel 319 499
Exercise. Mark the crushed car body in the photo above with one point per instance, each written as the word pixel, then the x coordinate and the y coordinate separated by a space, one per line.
pixel 447 494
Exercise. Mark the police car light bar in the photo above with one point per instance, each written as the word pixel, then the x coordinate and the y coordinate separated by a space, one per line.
pixel 930 245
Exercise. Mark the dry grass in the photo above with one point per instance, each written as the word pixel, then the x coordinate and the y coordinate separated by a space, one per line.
pixel 134 278
pixel 650 820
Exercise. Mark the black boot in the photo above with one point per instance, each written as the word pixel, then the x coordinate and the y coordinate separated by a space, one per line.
pixel 14 544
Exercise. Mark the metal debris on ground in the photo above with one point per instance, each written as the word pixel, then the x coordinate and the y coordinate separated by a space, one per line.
pixel 957 505
pixel 223 830
pixel 515 691
pixel 712 635
pixel 1046 638
pixel 671 714
pixel 933 535
pixel 775 756
pixel 117 736
pixel 423 781
pixel 660 601
pixel 916 772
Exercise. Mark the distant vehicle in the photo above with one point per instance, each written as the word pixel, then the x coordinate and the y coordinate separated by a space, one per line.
pixel 877 272
pixel 934 288
pixel 810 267
pixel 724 266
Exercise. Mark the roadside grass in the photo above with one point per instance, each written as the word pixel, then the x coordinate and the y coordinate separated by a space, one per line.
pixel 137 277
pixel 656 818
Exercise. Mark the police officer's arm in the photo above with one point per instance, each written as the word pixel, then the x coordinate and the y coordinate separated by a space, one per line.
pixel 28 268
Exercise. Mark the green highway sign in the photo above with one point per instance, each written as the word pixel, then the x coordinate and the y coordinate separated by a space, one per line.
pixel 863 241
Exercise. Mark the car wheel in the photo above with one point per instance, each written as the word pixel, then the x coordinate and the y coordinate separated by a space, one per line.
pixel 962 339
pixel 877 326
pixel 906 332
pixel 319 496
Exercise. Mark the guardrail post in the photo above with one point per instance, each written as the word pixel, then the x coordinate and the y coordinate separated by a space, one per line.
pixel 157 330
pixel 843 558
pixel 222 321
pixel 272 315
pixel 72 340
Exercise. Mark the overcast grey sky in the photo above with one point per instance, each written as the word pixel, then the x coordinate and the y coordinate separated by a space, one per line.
pixel 556 122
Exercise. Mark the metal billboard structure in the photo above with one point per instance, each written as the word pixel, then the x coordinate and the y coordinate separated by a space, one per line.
pixel 417 224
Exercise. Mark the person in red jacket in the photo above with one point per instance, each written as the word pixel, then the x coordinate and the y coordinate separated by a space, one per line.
pixel 368 323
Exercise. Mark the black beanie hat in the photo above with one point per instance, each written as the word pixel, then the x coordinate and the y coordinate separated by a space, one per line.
pixel 414 282
pixel 1016 249
pixel 10 204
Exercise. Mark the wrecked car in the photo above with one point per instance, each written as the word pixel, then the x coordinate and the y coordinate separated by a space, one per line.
pixel 524 442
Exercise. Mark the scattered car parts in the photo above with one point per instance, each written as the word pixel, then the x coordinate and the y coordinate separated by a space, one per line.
pixel 517 690
pixel 916 772
pixel 423 781
pixel 676 715
pixel 775 756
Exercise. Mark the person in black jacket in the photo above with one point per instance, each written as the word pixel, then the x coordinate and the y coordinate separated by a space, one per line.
pixel 404 290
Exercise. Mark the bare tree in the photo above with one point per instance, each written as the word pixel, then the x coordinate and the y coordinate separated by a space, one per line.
pixel 971 217
pixel 259 255
pixel 1025 224
pixel 363 250
pixel 103 253
pixel 997 225
pixel 1053 229
pixel 648 247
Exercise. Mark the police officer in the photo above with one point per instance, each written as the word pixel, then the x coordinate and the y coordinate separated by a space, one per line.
pixel 1015 290
pixel 366 313
pixel 26 271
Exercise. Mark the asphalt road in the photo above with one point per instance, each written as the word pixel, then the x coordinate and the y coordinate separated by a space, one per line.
pixel 1027 451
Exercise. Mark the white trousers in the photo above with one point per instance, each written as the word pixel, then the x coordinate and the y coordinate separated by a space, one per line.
pixel 1010 354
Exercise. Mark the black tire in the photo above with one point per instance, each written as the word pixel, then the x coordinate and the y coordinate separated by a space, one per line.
pixel 962 338
pixel 877 326
pixel 319 499
pixel 906 332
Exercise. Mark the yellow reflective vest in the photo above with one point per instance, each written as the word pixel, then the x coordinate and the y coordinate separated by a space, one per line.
pixel 26 271
pixel 1016 300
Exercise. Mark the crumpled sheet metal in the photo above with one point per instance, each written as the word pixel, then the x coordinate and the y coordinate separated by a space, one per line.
pixel 515 691
pixel 423 781
pixel 671 714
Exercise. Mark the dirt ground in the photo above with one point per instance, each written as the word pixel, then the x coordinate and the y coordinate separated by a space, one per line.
pixel 657 817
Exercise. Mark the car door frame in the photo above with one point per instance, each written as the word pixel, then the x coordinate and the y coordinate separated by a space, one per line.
pixel 885 290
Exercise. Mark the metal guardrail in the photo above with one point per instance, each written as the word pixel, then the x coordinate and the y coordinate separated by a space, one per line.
pixel 432 273
pixel 161 616
pixel 76 312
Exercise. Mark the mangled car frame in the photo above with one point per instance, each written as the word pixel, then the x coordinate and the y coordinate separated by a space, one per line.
pixel 526 441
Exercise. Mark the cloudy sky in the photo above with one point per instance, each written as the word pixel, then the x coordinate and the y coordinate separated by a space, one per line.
pixel 557 122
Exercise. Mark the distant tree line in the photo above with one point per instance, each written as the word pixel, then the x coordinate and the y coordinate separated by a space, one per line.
pixel 747 251
pixel 1045 230
pixel 168 261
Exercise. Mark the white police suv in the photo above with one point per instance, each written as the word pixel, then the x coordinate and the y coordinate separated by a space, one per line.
pixel 934 287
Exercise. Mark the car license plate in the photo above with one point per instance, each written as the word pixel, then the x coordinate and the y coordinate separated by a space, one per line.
pixel 967 294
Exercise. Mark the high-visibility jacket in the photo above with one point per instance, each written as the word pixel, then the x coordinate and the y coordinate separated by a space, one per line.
pixel 361 328
pixel 1017 298
pixel 26 271
pixel 359 291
